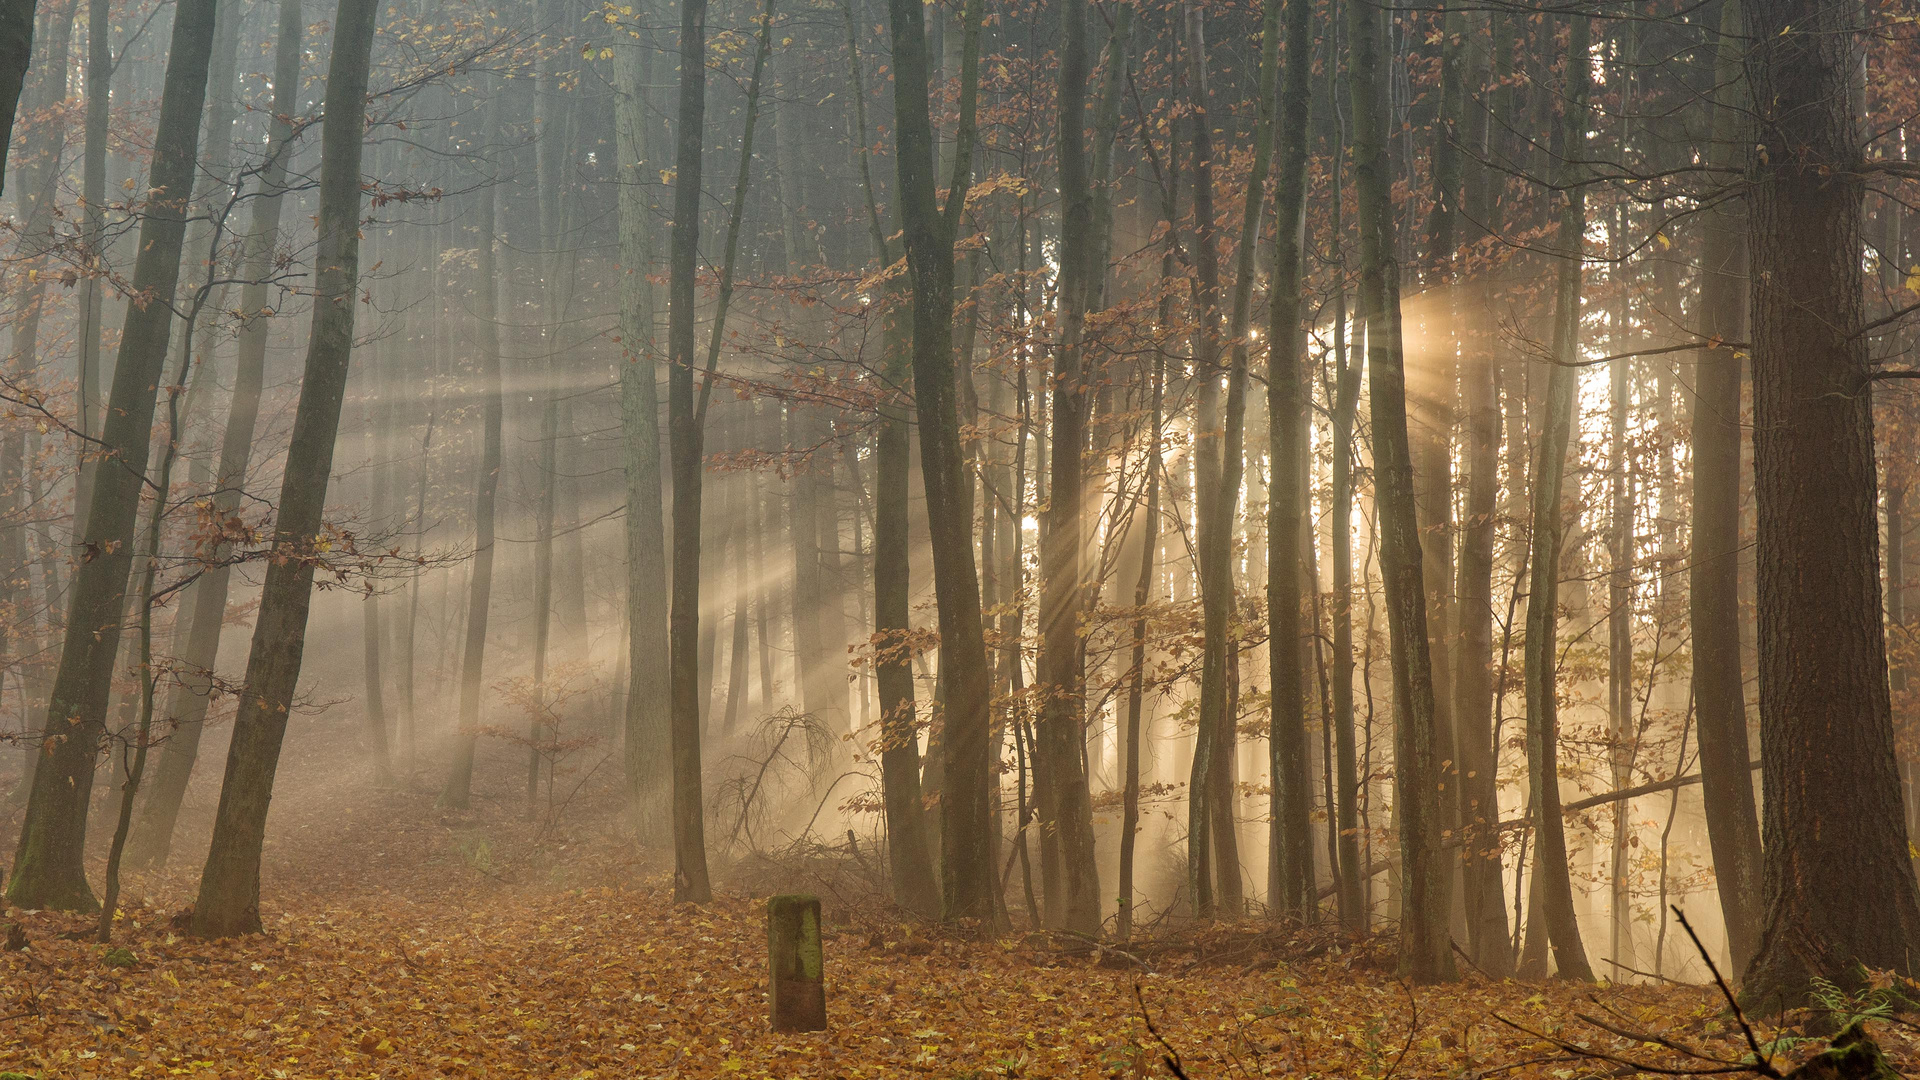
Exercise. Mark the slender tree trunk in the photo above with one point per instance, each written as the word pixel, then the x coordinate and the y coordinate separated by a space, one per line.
pixel 1290 879
pixel 229 900
pixel 1473 687
pixel 1713 580
pixel 548 152
pixel 152 839
pixel 457 792
pixel 1433 414
pixel 1424 954
pixel 134 751
pixel 1621 733
pixel 381 520
pixel 93 196
pixel 690 884
pixel 1137 673
pixel 48 869
pixel 966 829
pixel 646 751
pixel 909 858
pixel 1552 894
pixel 1215 887
pixel 1066 811
pixel 1839 888
pixel 1344 409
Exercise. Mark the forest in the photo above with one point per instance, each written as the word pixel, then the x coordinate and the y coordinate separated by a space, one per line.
pixel 1053 537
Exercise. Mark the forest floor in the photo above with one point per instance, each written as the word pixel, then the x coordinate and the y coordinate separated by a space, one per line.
pixel 404 943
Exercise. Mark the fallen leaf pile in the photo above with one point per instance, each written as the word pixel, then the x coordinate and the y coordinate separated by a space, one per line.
pixel 609 982
pixel 401 945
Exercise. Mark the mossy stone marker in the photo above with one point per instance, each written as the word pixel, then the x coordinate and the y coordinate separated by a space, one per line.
pixel 794 983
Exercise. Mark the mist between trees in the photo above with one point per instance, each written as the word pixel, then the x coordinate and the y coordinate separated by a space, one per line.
pixel 1435 469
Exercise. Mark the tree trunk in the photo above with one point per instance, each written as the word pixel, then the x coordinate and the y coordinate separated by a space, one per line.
pixel 909 857
pixel 457 792
pixel 1424 954
pixel 93 194
pixel 1552 895
pixel 1137 673
pixel 16 54
pixel 1713 580
pixel 1839 884
pixel 647 748
pixel 152 839
pixel 1344 409
pixel 1290 878
pixel 48 871
pixel 549 152
pixel 1473 687
pixel 229 900
pixel 1066 811
pixel 379 521
pixel 1217 437
pixel 690 884
pixel 968 881
pixel 1433 413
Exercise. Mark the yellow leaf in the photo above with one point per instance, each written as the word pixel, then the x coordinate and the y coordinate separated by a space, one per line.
pixel 1913 279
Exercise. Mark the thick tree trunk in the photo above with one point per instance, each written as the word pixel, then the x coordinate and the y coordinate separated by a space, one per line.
pixel 16 54
pixel 229 900
pixel 1839 884
pixel 1424 953
pixel 48 869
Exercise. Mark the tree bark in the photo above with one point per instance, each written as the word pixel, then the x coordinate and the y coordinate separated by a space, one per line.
pixel 909 857
pixel 1839 888
pixel 151 842
pixel 1432 413
pixel 646 751
pixel 1344 412
pixel 1290 878
pixel 1066 811
pixel 1552 895
pixel 229 900
pixel 690 882
pixel 457 792
pixel 48 870
pixel 16 54
pixel 1213 869
pixel 968 882
pixel 1713 580
pixel 1424 954
pixel 93 196
pixel 1474 695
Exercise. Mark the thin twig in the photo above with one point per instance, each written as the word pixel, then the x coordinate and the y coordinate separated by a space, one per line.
pixel 1172 1056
